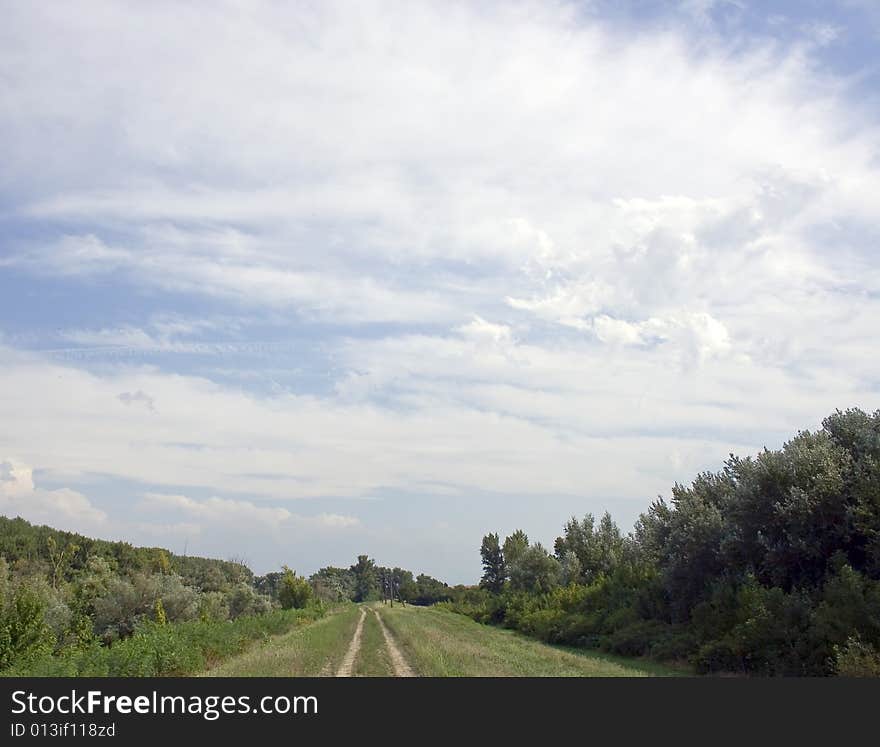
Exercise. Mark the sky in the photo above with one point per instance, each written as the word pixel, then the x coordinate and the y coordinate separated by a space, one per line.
pixel 291 282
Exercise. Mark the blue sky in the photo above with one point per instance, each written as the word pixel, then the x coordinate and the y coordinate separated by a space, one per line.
pixel 292 282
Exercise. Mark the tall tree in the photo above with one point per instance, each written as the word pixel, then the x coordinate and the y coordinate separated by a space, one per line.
pixel 494 569
pixel 365 585
pixel 535 571
pixel 514 546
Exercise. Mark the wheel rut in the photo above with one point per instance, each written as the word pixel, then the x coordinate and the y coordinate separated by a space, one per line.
pixel 347 665
pixel 398 661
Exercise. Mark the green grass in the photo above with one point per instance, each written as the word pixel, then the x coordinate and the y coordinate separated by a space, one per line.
pixel 439 643
pixel 373 659
pixel 177 649
pixel 312 650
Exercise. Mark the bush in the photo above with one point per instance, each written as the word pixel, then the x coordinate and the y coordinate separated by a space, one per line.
pixel 24 634
pixel 244 601
pixel 638 638
pixel 156 650
pixel 294 591
pixel 856 659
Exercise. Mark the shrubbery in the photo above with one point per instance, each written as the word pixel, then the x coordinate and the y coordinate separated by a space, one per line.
pixel 59 605
pixel 769 567
pixel 156 650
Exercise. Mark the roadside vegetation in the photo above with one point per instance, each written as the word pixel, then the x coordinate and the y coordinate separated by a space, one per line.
pixel 439 643
pixel 157 650
pixel 73 605
pixel 373 659
pixel 314 650
pixel 769 567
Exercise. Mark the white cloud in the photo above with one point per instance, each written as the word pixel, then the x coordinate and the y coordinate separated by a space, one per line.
pixel 241 513
pixel 548 149
pixel 614 246
pixel 61 507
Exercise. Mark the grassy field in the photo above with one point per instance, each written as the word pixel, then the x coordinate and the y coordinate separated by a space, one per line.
pixel 438 643
pixel 174 649
pixel 373 659
pixel 428 642
pixel 312 650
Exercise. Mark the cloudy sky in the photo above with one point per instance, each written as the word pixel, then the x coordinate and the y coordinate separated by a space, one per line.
pixel 294 281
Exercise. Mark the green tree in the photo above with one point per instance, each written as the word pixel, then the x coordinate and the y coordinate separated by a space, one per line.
pixel 514 546
pixel 494 569
pixel 24 634
pixel 570 568
pixel 59 557
pixel 535 570
pixel 294 591
pixel 365 583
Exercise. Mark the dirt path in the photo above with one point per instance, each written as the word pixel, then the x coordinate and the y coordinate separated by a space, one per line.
pixel 401 668
pixel 345 669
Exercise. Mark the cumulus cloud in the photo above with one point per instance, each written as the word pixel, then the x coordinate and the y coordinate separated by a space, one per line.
pixel 519 245
pixel 62 507
pixel 241 513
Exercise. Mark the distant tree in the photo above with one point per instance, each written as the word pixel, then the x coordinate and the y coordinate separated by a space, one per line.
pixel 494 569
pixel 334 584
pixel 570 568
pixel 294 591
pixel 598 549
pixel 59 557
pixel 365 582
pixel 430 590
pixel 268 584
pixel 514 546
pixel 535 570
pixel 397 582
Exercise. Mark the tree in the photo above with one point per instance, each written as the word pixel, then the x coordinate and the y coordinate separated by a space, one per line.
pixel 430 590
pixel 59 557
pixel 514 546
pixel 599 550
pixel 334 584
pixel 294 591
pixel 365 585
pixel 494 569
pixel 570 566
pixel 535 570
pixel 24 634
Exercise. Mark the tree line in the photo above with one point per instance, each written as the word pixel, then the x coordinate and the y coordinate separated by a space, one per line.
pixel 365 581
pixel 769 566
pixel 64 597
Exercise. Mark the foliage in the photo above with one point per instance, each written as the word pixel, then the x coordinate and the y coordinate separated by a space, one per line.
pixel 294 591
pixel 534 570
pixel 770 566
pixel 494 569
pixel 366 585
pixel 61 592
pixel 156 650
pixel 856 659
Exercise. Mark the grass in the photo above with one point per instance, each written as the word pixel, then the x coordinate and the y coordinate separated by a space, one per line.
pixel 373 659
pixel 439 643
pixel 176 649
pixel 309 651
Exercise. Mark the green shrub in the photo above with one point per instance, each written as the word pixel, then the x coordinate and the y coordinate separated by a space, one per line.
pixel 156 650
pixel 24 634
pixel 294 591
pixel 856 659
pixel 638 638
